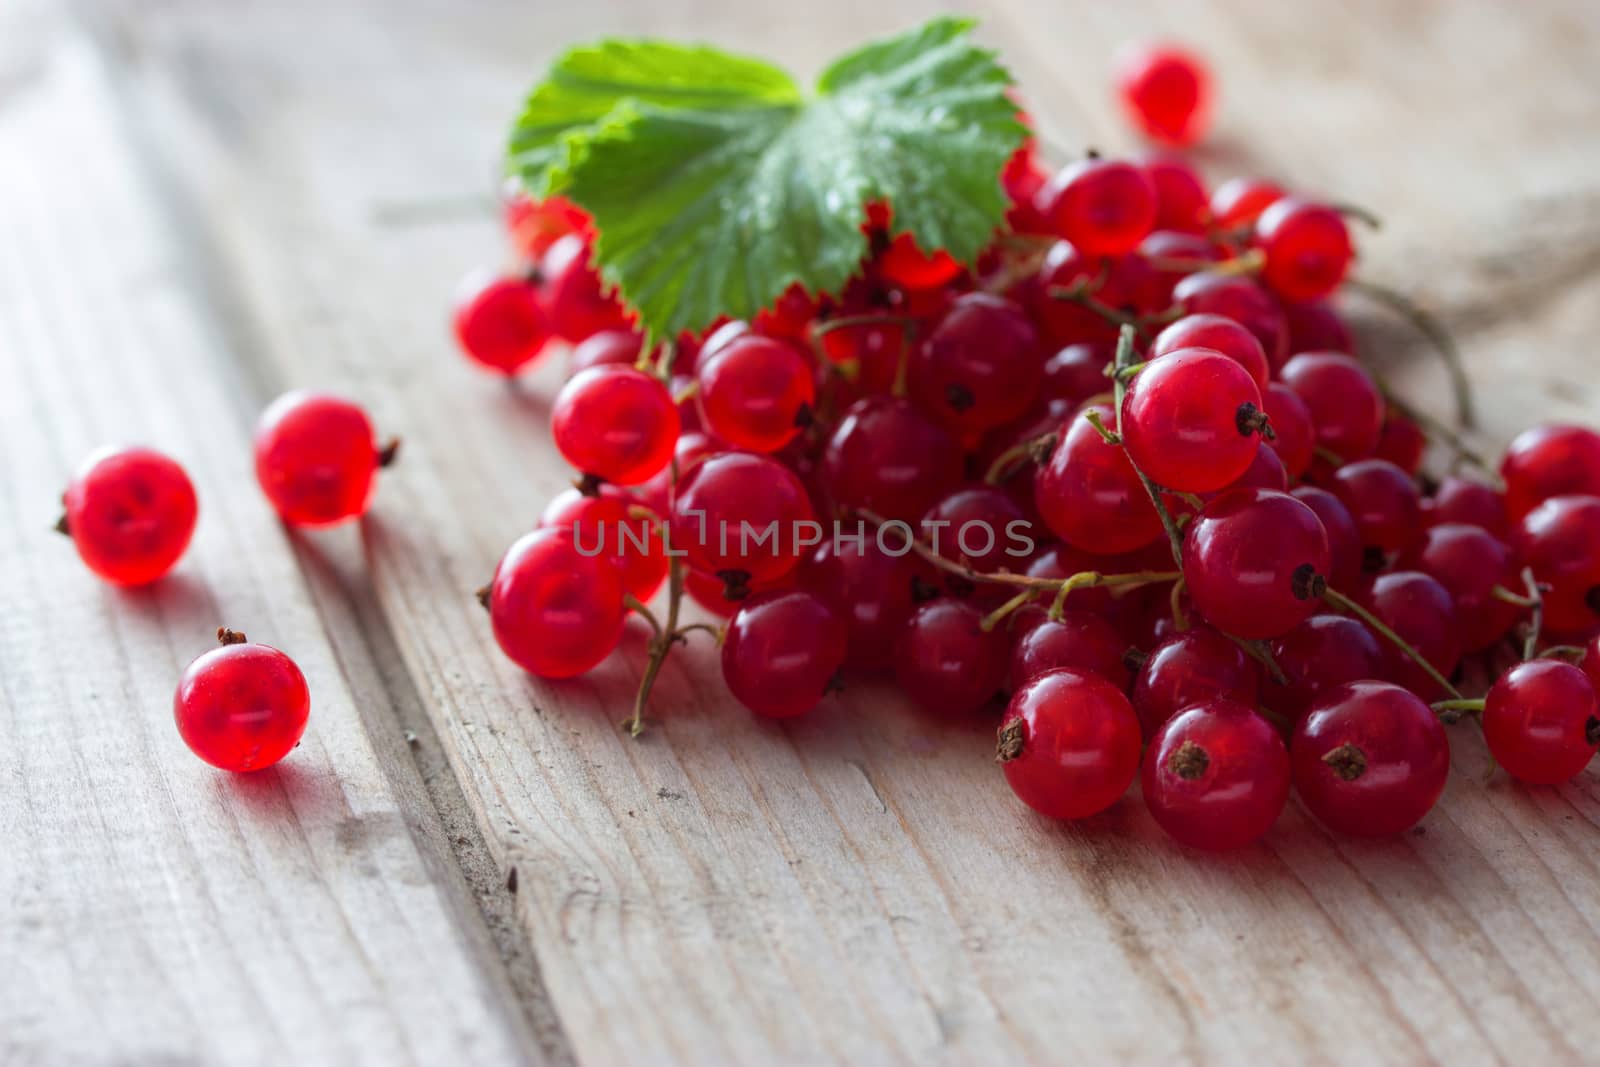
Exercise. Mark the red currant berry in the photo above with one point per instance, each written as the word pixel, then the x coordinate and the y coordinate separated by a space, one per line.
pixel 616 423
pixel 781 653
pixel 535 225
pixel 130 513
pixel 500 322
pixel 1075 374
pixel 608 523
pixel 576 301
pixel 946 661
pixel 1266 471
pixel 1180 195
pixel 1384 501
pixel 1241 300
pixel 1242 200
pixel 1307 249
pixel 1250 559
pixel 1187 668
pixel 1423 614
pixel 1314 326
pixel 756 393
pixel 1089 494
pixel 605 348
pixel 1320 653
pixel 980 366
pixel 1125 282
pixel 1077 640
pixel 1167 253
pixel 1344 539
pixel 1069 744
pixel 1560 540
pixel 1220 335
pixel 1346 406
pixel 1216 776
pixel 241 707
pixel 316 458
pixel 1294 436
pixel 711 592
pixel 1591 661
pixel 1369 759
pixel 870 589
pixel 555 611
pixel 1541 722
pixel 887 457
pixel 1105 207
pixel 1402 443
pixel 871 349
pixel 743 518
pixel 1191 420
pixel 1462 500
pixel 1550 461
pixel 1469 562
pixel 979 523
pixel 1166 91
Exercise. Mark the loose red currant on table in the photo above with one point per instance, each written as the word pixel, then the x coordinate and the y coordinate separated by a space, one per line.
pixel 555 611
pixel 980 366
pixel 1243 301
pixel 1078 640
pixel 1180 195
pixel 742 518
pixel 241 707
pixel 1560 540
pixel 610 523
pixel 1346 407
pixel 1423 614
pixel 1069 744
pixel 316 458
pixel 1216 776
pixel 1550 461
pixel 756 392
pixel 616 423
pixel 1220 335
pixel 781 653
pixel 1166 91
pixel 1320 653
pixel 500 322
pixel 1188 668
pixel 1383 499
pixel 575 298
pixel 1369 759
pixel 1191 420
pixel 946 661
pixel 1089 494
pixel 130 513
pixel 1241 200
pixel 1307 248
pixel 1469 562
pixel 1250 560
pixel 889 458
pixel 1541 721
pixel 1104 207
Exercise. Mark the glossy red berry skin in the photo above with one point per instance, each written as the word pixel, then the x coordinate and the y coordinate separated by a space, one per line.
pixel 535 225
pixel 872 350
pixel 1218 334
pixel 1069 744
pixel 1241 300
pixel 743 517
pixel 1090 496
pixel 1383 499
pixel 316 458
pixel 616 423
pixel 604 348
pixel 1560 540
pixel 242 707
pixel 1549 461
pixel 781 653
pixel 1315 326
pixel 1126 282
pixel 1369 759
pixel 946 662
pixel 1294 437
pixel 887 457
pixel 869 589
pixel 606 524
pixel 756 393
pixel 1346 407
pixel 980 524
pixel 1242 200
pixel 979 367
pixel 1166 92
pixel 130 513
pixel 500 323
pixel 1462 500
pixel 1216 776
pixel 1423 613
pixel 1180 195
pixel 1173 245
pixel 1541 721
pixel 1188 420
pixel 1469 562
pixel 1266 471
pixel 1402 443
pixel 1248 558
pixel 1188 668
pixel 1591 661
pixel 555 611
pixel 1075 374
pixel 1078 640
pixel 1105 207
pixel 1344 539
pixel 1322 652
pixel 1307 247
pixel 575 300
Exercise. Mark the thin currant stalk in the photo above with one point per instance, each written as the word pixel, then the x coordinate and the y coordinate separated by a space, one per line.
pixel 1530 645
pixel 1124 360
pixel 661 643
pixel 1437 335
pixel 1007 463
pixel 1344 603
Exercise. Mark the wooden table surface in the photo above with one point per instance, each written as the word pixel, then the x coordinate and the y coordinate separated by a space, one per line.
pixel 203 203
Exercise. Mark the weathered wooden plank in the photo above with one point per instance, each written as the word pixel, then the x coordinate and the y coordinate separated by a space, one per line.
pixel 155 909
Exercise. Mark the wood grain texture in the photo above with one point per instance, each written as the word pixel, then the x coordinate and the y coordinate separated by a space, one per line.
pixel 858 886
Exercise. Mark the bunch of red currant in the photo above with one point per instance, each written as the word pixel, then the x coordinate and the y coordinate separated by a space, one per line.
pixel 1127 469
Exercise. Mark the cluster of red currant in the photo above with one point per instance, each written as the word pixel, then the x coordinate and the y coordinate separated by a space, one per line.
pixel 1182 525
pixel 132 511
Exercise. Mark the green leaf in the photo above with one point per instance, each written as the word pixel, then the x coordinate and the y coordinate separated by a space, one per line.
pixel 714 186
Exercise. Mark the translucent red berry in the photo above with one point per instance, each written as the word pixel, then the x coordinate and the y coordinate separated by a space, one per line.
pixel 616 423
pixel 982 525
pixel 1307 248
pixel 1089 494
pixel 1079 640
pixel 1180 195
pixel 555 611
pixel 1550 461
pixel 1322 652
pixel 1541 721
pixel 1294 437
pixel 980 366
pixel 1243 301
pixel 1218 334
pixel 743 518
pixel 781 653
pixel 1250 559
pixel 1402 442
pixel 756 393
pixel 241 707
pixel 1346 407
pixel 869 588
pixel 1560 540
pixel 1069 744
pixel 1216 776
pixel 609 523
pixel 500 322
pixel 1316 326
pixel 946 661
pixel 316 458
pixel 1423 613
pixel 1344 539
pixel 1192 420
pixel 1166 91
pixel 1463 500
pixel 1187 668
pixel 575 299
pixel 1238 201
pixel 1383 499
pixel 606 347
pixel 1075 374
pixel 535 225
pixel 1470 562
pixel 130 513
pixel 1104 207
pixel 887 457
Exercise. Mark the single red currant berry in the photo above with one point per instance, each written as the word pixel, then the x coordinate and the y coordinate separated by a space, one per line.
pixel 1402 442
pixel 555 611
pixel 1346 407
pixel 1461 500
pixel 1307 249
pixel 1469 562
pixel 620 527
pixel 1180 195
pixel 1077 640
pixel 1105 207
pixel 980 366
pixel 1383 499
pixel 575 299
pixel 1423 614
pixel 1089 494
pixel 605 348
pixel 1266 471
pixel 1549 461
pixel 1238 201
pixel 782 652
pixel 1369 759
pixel 130 513
pixel 756 393
pixel 1252 561
pixel 1320 653
pixel 1591 661
pixel 1216 776
pixel 1166 91
pixel 500 322
pixel 1294 437
pixel 1220 335
pixel 616 423
pixel 1075 374
pixel 1191 420
pixel 743 518
pixel 1344 540
pixel 1560 540
pixel 1315 326
pixel 316 458
pixel 1126 282
pixel 1167 254
pixel 1069 744
pixel 241 707
pixel 889 458
pixel 535 225
pixel 1541 721
pixel 946 661
pixel 870 589
pixel 980 524
pixel 1187 668
pixel 1242 300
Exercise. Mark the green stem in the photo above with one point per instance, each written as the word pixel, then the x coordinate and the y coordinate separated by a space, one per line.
pixel 999 615
pixel 660 647
pixel 1530 646
pixel 1344 603
pixel 1124 359
pixel 844 322
pixel 1462 704
pixel 1007 463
